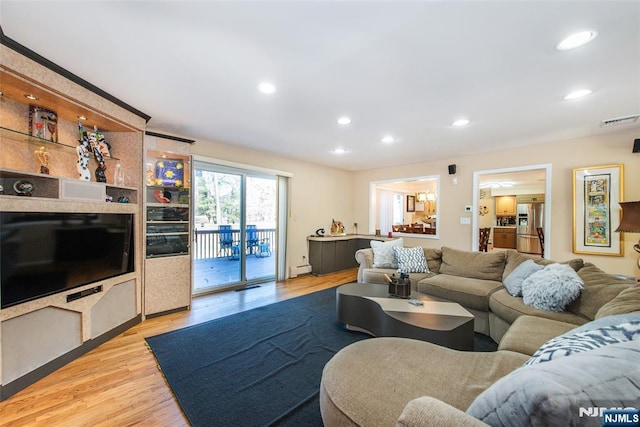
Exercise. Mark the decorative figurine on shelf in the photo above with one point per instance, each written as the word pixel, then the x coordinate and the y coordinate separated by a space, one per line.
pixel 82 150
pixel 337 228
pixel 23 188
pixel 98 144
pixel 42 156
pixel 43 123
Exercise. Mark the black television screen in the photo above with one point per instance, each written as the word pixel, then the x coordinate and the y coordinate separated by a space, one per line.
pixel 45 253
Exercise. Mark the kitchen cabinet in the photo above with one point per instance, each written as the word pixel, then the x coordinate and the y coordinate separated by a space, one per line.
pixel 506 206
pixel 504 237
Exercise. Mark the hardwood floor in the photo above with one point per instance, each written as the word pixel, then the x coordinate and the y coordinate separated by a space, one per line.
pixel 119 384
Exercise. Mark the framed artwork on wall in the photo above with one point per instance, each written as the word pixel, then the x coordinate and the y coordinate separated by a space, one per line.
pixel 597 193
pixel 411 203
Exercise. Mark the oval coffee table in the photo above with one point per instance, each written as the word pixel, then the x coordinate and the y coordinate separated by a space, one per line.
pixel 368 308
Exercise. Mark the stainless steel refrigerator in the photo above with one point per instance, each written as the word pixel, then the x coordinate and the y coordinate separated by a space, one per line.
pixel 530 217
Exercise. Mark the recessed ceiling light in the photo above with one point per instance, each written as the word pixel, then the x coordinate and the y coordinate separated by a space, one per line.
pixel 388 139
pixel 267 88
pixel 577 94
pixel 31 97
pixel 461 122
pixel 339 151
pixel 82 118
pixel 344 120
pixel 576 40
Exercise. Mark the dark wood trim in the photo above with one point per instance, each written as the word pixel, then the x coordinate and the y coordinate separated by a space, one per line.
pixel 173 138
pixel 25 51
pixel 26 380
pixel 163 313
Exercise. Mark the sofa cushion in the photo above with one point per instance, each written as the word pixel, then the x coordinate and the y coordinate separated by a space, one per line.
pixel 576 263
pixel 568 344
pixel 472 293
pixel 514 259
pixel 528 333
pixel 411 260
pixel 606 321
pixel 383 256
pixel 510 308
pixel 513 282
pixel 627 301
pixel 552 288
pixel 474 265
pixel 551 393
pixel 599 288
pixel 369 383
pixel 434 259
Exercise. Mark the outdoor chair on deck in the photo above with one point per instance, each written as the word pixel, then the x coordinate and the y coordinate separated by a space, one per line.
pixel 228 246
pixel 252 239
pixel 483 245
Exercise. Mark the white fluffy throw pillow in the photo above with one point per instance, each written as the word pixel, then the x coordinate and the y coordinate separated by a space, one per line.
pixel 552 288
pixel 383 256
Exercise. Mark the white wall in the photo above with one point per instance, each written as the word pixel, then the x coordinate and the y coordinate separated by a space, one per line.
pixel 318 194
pixel 563 155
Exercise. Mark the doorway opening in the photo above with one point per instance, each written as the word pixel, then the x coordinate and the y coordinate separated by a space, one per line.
pixel 529 187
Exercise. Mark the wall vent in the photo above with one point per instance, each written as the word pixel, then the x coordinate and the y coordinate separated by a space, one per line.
pixel 619 121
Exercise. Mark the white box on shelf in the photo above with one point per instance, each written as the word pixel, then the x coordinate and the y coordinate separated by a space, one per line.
pixel 82 190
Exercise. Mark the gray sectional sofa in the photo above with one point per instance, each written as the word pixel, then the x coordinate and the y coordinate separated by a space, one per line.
pixel 548 364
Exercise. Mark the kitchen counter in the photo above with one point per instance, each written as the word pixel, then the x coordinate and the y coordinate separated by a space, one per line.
pixel 330 238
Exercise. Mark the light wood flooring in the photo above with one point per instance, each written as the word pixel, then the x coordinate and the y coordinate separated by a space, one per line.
pixel 119 384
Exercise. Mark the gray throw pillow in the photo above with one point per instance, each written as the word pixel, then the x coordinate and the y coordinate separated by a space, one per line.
pixel 551 394
pixel 565 345
pixel 411 260
pixel 513 282
pixel 383 256
pixel 552 288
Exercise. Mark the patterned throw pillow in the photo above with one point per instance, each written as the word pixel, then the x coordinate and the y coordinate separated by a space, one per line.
pixel 566 345
pixel 552 288
pixel 411 260
pixel 383 256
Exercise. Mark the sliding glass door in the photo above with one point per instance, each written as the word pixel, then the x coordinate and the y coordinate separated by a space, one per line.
pixel 235 224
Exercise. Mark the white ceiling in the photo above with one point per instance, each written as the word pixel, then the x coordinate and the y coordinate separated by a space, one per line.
pixel 407 68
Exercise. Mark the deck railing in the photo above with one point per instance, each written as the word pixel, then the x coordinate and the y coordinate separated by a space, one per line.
pixel 208 246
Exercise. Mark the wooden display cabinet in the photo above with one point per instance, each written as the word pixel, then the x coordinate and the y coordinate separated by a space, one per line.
pixel 82 323
pixel 167 229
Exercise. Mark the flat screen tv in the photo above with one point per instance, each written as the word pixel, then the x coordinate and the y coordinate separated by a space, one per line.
pixel 46 253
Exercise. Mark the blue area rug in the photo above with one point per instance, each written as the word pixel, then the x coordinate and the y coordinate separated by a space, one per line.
pixel 259 367
pixel 255 368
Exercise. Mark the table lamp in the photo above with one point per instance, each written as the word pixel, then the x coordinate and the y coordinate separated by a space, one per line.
pixel 630 222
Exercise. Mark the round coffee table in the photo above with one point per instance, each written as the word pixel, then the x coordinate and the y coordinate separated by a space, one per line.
pixel 368 308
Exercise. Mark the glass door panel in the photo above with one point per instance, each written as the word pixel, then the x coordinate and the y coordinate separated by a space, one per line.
pixel 261 214
pixel 218 238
